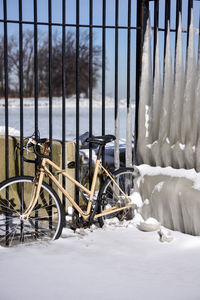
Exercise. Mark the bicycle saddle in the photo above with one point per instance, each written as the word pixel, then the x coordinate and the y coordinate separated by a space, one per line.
pixel 101 140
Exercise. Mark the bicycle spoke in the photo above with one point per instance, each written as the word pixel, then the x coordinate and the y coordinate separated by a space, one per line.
pixel 7 207
pixel 7 235
pixel 39 232
pixel 112 195
pixel 34 210
pixel 14 229
pixel 13 236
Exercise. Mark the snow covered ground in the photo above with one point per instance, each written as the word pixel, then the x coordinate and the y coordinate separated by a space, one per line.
pixel 118 262
pixel 43 116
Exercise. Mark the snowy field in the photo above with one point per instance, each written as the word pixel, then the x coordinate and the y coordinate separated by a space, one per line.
pixel 118 262
pixel 43 116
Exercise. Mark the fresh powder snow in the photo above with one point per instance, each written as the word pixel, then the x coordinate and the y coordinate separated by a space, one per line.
pixel 118 262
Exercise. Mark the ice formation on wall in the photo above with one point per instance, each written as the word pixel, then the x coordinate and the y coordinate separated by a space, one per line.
pixel 169 113
pixel 129 137
pixel 145 97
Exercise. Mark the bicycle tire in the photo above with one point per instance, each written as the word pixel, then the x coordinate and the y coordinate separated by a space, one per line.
pixel 125 178
pixel 45 221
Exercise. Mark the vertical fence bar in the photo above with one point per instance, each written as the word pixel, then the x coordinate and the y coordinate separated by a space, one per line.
pixel 6 113
pixel 90 88
pixel 77 98
pixel 142 16
pixel 35 69
pixel 6 86
pixel 63 93
pixel 116 152
pixel 129 115
pixel 21 86
pixel 178 10
pixel 138 73
pixel 190 7
pixel 156 24
pixel 198 56
pixel 50 98
pixel 167 20
pixel 103 74
pixel 36 88
pixel 21 113
pixel 50 72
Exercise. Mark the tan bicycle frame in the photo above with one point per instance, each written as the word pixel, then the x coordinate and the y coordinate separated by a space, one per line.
pixel 44 170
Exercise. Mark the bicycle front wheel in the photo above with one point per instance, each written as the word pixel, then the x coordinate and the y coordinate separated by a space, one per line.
pixel 45 221
pixel 111 196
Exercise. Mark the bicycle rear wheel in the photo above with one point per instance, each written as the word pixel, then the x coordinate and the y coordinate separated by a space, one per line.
pixel 110 195
pixel 45 221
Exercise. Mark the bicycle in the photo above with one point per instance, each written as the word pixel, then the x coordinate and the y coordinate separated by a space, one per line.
pixel 31 210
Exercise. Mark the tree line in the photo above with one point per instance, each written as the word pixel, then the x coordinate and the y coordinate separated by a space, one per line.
pixel 43 64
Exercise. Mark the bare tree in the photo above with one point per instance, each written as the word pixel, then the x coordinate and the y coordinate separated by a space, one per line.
pixel 43 64
pixel 28 62
pixel 70 65
pixel 1 67
pixel 9 66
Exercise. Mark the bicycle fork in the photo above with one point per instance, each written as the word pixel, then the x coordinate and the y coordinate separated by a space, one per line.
pixel 35 195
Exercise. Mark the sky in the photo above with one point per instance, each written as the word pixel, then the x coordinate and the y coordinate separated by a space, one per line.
pixel 27 5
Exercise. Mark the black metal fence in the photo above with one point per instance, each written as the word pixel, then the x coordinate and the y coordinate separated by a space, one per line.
pixel 133 26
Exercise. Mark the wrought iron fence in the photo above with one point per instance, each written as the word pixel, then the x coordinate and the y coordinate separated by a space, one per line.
pixel 136 13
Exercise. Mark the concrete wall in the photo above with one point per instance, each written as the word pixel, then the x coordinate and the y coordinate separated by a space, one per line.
pixel 29 169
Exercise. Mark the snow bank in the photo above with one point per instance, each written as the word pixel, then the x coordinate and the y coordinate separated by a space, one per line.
pixel 70 102
pixel 172 197
pixel 169 171
pixel 118 262
pixel 11 131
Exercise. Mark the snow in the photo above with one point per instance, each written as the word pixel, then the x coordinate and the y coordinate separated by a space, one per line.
pixel 70 102
pixel 165 235
pixel 43 117
pixel 169 171
pixel 182 146
pixel 159 186
pixel 151 224
pixel 118 262
pixel 136 199
pixel 147 109
pixel 11 131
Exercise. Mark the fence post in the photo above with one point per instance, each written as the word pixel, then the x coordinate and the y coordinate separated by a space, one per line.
pixel 142 17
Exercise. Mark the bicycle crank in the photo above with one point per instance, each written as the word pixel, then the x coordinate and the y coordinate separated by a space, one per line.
pixel 78 222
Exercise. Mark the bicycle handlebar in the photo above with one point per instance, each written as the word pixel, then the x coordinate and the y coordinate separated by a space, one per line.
pixel 35 143
pixel 35 147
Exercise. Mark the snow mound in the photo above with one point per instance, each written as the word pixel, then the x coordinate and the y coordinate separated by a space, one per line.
pixel 190 174
pixel 165 235
pixel 136 199
pixel 11 131
pixel 150 224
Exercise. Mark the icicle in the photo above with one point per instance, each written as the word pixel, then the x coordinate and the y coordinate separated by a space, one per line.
pixel 177 102
pixel 197 110
pixel 167 92
pixel 187 133
pixel 156 109
pixel 164 130
pixel 116 150
pixel 129 137
pixel 189 87
pixel 157 95
pixel 143 151
pixel 177 99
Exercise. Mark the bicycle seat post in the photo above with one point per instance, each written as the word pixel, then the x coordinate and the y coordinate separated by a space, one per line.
pixel 99 152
